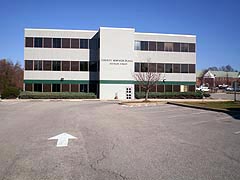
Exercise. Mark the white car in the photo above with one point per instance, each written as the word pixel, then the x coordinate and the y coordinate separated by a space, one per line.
pixel 203 89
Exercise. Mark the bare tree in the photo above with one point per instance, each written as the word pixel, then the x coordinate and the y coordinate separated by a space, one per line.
pixel 147 80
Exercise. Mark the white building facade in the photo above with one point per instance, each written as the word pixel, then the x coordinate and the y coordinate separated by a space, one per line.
pixel 104 61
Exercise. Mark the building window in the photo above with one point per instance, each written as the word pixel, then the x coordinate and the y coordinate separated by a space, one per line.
pixel 38 42
pixel 57 42
pixel 28 65
pixel 160 68
pixel 152 46
pixel 152 67
pixel 137 88
pixel 55 87
pixel 176 68
pixel 168 68
pixel 47 65
pixel 168 46
pixel 74 88
pixel 56 65
pixel 28 42
pixel 47 42
pixel 38 87
pixel 168 88
pixel 38 65
pixel 160 46
pixel 176 47
pixel 176 88
pixel 144 45
pixel 93 66
pixel 93 43
pixel 84 43
pixel 46 87
pixel 84 88
pixel 65 65
pixel 192 68
pixel 184 68
pixel 28 87
pixel 144 67
pixel 93 88
pixel 65 43
pixel 136 67
pixel 137 45
pixel 83 66
pixel 192 47
pixel 65 88
pixel 74 65
pixel 184 47
pixel 160 88
pixel 75 43
pixel 191 88
pixel 153 88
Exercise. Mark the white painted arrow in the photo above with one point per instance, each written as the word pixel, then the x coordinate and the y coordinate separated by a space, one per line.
pixel 62 139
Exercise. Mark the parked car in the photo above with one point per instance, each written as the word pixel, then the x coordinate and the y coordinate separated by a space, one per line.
pixel 203 89
pixel 232 89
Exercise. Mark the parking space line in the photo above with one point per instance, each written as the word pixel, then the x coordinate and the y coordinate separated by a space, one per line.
pixel 200 122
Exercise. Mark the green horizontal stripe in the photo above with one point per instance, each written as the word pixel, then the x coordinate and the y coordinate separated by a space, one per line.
pixel 103 82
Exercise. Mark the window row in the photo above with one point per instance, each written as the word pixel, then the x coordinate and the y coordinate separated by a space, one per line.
pixel 40 42
pixel 164 68
pixel 164 46
pixel 167 88
pixel 61 88
pixel 39 65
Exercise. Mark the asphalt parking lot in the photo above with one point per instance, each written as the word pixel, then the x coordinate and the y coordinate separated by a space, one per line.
pixel 116 142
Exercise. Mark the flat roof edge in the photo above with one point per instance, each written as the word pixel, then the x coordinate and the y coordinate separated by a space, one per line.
pixel 117 28
pixel 155 34
pixel 40 29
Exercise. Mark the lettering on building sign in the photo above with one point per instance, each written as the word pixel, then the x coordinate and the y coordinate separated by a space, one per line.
pixel 117 61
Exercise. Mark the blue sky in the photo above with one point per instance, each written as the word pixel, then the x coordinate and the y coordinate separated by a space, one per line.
pixel 215 22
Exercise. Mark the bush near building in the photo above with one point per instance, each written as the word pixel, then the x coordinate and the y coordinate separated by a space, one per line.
pixel 10 93
pixel 56 95
pixel 172 95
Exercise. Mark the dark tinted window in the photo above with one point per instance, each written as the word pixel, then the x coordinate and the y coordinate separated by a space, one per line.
pixel 184 47
pixel 176 88
pixel 153 88
pixel 152 67
pixel 55 87
pixel 74 88
pixel 65 65
pixel 48 42
pixel 28 42
pixel 47 65
pixel 46 87
pixel 28 65
pixel 168 88
pixel 192 47
pixel 65 43
pixel 144 67
pixel 160 88
pixel 152 46
pixel 93 66
pixel 176 68
pixel 168 68
pixel 74 43
pixel 93 43
pixel 38 87
pixel 160 67
pixel 37 42
pixel 93 88
pixel 28 87
pixel 74 65
pixel 38 65
pixel 57 42
pixel 83 87
pixel 184 68
pixel 176 47
pixel 65 87
pixel 137 67
pixel 192 68
pixel 160 46
pixel 84 43
pixel 56 66
pixel 144 45
pixel 83 66
pixel 168 46
pixel 137 88
pixel 191 88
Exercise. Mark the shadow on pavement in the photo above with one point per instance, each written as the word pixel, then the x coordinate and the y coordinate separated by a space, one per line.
pixel 234 112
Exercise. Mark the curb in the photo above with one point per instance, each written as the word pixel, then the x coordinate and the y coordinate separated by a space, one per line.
pixel 201 107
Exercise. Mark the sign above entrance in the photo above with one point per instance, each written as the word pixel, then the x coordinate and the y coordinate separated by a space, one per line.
pixel 117 61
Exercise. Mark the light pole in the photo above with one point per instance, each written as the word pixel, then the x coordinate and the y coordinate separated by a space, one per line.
pixel 164 79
